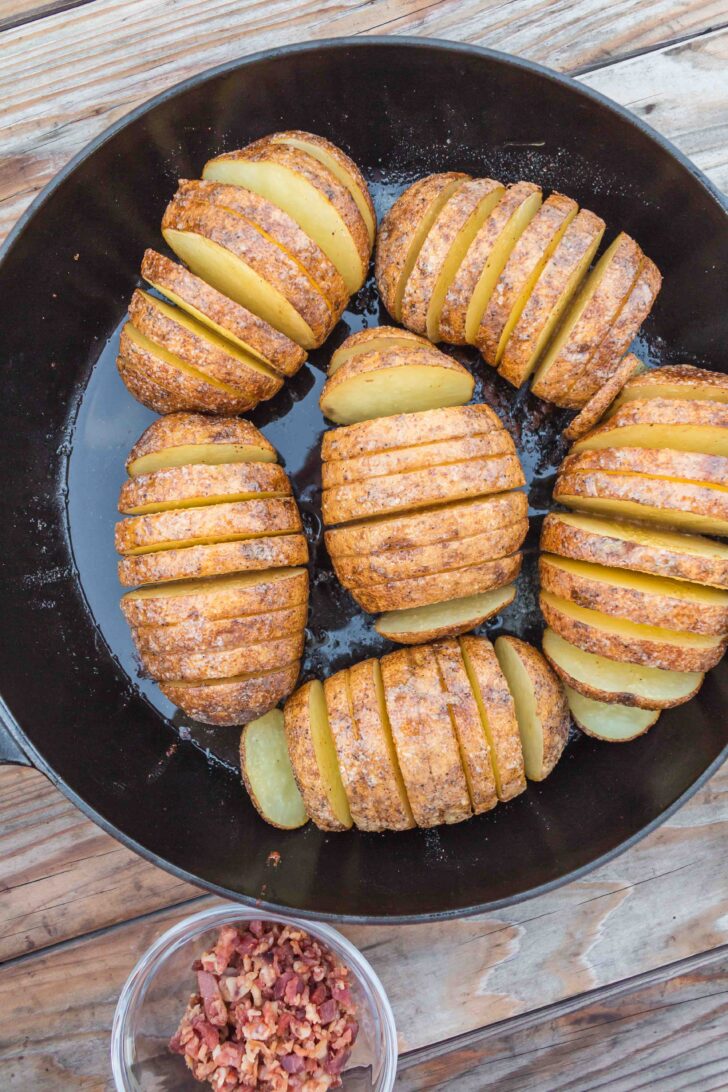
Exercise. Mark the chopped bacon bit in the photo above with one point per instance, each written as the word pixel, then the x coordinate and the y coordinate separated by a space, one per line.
pixel 273 1011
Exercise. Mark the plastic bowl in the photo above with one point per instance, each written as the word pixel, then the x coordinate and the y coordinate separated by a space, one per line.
pixel 156 992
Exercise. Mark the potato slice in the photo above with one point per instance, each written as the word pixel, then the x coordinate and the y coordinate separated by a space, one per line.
pixel 166 384
pixel 241 263
pixel 442 251
pixel 690 425
pixel 520 273
pixel 167 441
pixel 227 318
pixel 184 527
pixel 313 758
pixel 610 722
pixel 200 484
pixel 420 624
pixel 310 193
pixel 473 284
pixel 681 381
pixel 633 546
pixel 419 488
pixel 404 230
pixel 383 384
pixel 232 701
pixel 409 429
pixel 374 339
pixel 687 466
pixel 429 759
pixel 216 559
pixel 201 633
pixel 653 600
pixel 437 587
pixel 413 530
pixel 363 468
pixel 681 505
pixel 587 323
pixel 555 288
pixel 417 561
pixel 621 639
pixel 340 165
pixel 267 773
pixel 222 597
pixel 497 714
pixel 540 703
pixel 597 406
pixel 612 681
pixel 223 663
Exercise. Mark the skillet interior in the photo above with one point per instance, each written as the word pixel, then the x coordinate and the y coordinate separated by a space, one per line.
pixel 67 675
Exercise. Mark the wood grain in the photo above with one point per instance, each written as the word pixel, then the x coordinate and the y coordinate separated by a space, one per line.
pixel 62 81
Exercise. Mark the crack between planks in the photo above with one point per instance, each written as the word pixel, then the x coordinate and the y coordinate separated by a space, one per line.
pixel 632 54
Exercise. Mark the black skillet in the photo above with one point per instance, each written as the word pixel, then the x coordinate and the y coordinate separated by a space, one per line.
pixel 73 702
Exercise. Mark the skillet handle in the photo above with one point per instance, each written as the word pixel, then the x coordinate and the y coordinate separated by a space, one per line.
pixel 11 754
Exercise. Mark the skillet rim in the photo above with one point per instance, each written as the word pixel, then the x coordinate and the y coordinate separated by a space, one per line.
pixel 7 719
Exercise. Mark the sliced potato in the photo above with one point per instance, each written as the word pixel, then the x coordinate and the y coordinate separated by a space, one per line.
pixel 223 315
pixel 555 288
pixel 183 527
pixel 674 604
pixel 497 714
pixel 185 438
pixel 681 381
pixel 202 484
pixel 687 466
pixel 374 339
pixel 587 323
pixel 610 722
pixel 420 488
pixel 418 561
pixel 216 559
pixel 420 624
pixel 444 247
pixel 267 773
pixel 232 701
pixel 223 663
pixel 633 546
pixel 313 758
pixel 520 273
pixel 621 639
pixel 614 681
pixel 593 410
pixel 429 760
pixel 473 284
pixel 241 263
pixel 437 587
pixel 674 503
pixel 197 634
pixel 215 598
pixel 309 192
pixel 695 425
pixel 407 430
pixel 403 231
pixel 383 384
pixel 413 530
pixel 540 703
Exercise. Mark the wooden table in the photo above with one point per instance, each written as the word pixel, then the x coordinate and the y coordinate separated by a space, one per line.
pixel 619 981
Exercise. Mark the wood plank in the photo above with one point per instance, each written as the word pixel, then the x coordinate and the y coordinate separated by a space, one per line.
pixel 61 85
pixel 665 1032
pixel 60 874
pixel 15 13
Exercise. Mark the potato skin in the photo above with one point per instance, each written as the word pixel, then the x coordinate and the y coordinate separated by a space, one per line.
pixel 693 466
pixel 212 521
pixel 232 701
pixel 275 348
pixel 420 488
pixel 223 663
pixel 552 708
pixel 659 411
pixel 687 376
pixel 668 496
pixel 429 761
pixel 560 537
pixel 272 552
pixel 182 429
pixel 201 482
pixel 438 587
pixel 406 429
pixel 211 634
pixel 592 411
pixel 303 760
pixel 370 335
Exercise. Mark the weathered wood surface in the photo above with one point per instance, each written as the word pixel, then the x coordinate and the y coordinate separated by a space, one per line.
pixel 66 77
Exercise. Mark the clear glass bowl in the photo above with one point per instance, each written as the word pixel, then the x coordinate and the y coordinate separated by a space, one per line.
pixel 155 994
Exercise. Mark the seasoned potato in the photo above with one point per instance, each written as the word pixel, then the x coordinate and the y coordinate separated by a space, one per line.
pixel 683 425
pixel 437 587
pixel 540 703
pixel 232 701
pixel 614 681
pixel 212 634
pixel 267 774
pixel 183 439
pixel 689 466
pixel 407 430
pixel 610 722
pixel 681 381
pixel 217 559
pixel 224 663
pixel 420 624
pixel 202 484
pixel 313 758
pixel 593 410
pixel 374 339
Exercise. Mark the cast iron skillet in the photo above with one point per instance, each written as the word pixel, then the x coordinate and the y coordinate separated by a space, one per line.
pixel 72 699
